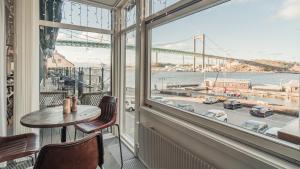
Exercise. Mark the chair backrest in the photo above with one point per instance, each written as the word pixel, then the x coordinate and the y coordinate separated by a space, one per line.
pixel 86 153
pixel 92 98
pixel 108 106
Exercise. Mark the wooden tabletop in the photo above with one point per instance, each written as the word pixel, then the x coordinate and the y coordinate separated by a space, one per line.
pixel 54 117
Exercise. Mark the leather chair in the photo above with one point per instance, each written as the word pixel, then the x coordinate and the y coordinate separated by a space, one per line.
pixel 86 153
pixel 108 106
pixel 18 146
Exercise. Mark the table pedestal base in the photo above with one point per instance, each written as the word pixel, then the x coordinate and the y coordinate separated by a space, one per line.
pixel 63 136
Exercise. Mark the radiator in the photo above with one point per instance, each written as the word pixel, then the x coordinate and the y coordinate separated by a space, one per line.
pixel 159 152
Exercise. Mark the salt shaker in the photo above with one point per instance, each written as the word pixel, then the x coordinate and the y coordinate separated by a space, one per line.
pixel 67 105
pixel 74 104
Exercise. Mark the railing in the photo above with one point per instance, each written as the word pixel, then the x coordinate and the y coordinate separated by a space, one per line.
pixel 50 99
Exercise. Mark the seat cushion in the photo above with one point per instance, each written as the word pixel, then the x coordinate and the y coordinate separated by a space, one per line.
pixel 93 126
pixel 18 146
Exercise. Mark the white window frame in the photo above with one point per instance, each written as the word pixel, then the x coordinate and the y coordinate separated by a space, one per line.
pixel 279 148
pixel 110 32
pixel 122 58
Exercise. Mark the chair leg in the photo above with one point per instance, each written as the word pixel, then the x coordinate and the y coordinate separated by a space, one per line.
pixel 120 144
pixel 32 160
pixel 42 136
pixel 75 134
pixel 51 134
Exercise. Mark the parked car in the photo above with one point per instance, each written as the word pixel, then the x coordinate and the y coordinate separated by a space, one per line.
pixel 129 105
pixel 260 111
pixel 216 114
pixel 272 132
pixel 256 126
pixel 162 100
pixel 187 107
pixel 157 97
pixel 232 104
pixel 210 100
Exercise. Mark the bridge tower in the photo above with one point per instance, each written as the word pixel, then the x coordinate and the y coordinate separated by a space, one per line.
pixel 201 38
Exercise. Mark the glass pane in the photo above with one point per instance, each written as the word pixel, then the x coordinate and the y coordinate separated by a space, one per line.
pixel 71 12
pixel 235 63
pixel 154 6
pixel 74 63
pixel 129 87
pixel 129 14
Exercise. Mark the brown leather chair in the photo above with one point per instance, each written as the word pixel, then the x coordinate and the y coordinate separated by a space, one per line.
pixel 108 106
pixel 18 146
pixel 86 153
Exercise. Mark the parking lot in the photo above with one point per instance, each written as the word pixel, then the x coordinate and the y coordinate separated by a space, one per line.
pixel 235 117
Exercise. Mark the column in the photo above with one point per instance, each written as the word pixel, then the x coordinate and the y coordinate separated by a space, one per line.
pixel 26 62
pixel 2 74
pixel 2 71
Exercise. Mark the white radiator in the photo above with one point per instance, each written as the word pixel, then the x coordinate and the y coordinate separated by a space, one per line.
pixel 159 152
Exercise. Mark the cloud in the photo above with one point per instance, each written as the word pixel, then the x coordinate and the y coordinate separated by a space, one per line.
pixel 289 10
pixel 175 46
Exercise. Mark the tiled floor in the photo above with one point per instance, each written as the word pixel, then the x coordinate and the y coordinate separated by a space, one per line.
pixel 111 155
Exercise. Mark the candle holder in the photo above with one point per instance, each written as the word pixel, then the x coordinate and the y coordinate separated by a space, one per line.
pixel 74 104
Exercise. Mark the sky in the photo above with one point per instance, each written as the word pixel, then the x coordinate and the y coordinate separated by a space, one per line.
pixel 245 29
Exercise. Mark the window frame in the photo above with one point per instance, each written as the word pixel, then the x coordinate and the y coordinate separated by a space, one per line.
pixel 74 27
pixel 276 147
pixel 123 31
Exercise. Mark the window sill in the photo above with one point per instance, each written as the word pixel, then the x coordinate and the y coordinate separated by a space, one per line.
pixel 267 153
pixel 291 132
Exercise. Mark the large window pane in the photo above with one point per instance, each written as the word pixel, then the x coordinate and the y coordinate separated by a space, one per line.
pixel 129 86
pixel 235 63
pixel 74 63
pixel 129 14
pixel 154 6
pixel 72 12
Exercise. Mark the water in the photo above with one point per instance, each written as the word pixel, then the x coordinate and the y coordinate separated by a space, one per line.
pixel 160 79
pixel 197 77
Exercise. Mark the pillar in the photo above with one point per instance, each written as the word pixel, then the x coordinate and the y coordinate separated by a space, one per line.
pixel 2 71
pixel 26 62
pixel 3 123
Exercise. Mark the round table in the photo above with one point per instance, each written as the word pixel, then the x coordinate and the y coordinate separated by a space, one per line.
pixel 53 117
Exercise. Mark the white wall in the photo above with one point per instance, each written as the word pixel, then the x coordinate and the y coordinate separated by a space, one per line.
pixel 219 151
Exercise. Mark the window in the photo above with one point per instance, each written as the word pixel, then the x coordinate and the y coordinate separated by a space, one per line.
pixel 154 6
pixel 75 13
pixel 229 64
pixel 128 73
pixel 129 14
pixel 73 61
pixel 129 86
